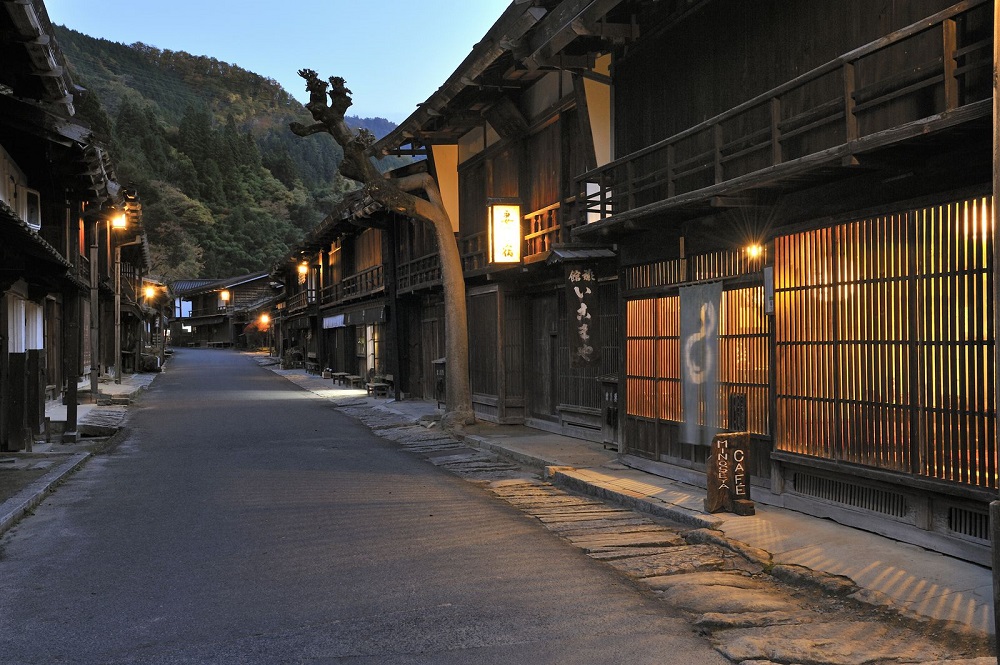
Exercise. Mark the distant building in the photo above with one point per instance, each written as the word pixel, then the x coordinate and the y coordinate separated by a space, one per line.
pixel 215 312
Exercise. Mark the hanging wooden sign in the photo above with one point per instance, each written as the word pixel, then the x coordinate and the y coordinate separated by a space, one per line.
pixel 581 299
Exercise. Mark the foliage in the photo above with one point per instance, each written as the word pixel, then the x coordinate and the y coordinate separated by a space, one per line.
pixel 226 188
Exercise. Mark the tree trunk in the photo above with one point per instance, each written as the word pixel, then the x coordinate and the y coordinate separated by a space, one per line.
pixel 394 194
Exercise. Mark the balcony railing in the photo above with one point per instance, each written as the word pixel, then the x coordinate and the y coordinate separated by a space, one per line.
pixel 420 272
pixel 331 294
pixel 221 310
pixel 301 300
pixel 474 251
pixel 364 283
pixel 872 96
pixel 545 230
pixel 83 268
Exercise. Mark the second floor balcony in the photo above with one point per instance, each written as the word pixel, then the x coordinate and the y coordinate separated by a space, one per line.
pixel 930 77
pixel 209 311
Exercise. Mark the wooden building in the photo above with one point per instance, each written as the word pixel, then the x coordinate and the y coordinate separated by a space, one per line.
pixel 505 141
pixel 826 167
pixel 787 208
pixel 215 312
pixel 335 308
pixel 58 194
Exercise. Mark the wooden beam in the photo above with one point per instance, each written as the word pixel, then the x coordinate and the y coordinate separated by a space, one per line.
pixel 619 32
pixel 506 119
pixel 568 21
pixel 512 26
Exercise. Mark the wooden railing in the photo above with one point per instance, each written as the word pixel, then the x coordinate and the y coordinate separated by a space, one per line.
pixel 781 129
pixel 420 272
pixel 209 311
pixel 299 301
pixel 544 230
pixel 83 268
pixel 364 283
pixel 331 294
pixel 475 251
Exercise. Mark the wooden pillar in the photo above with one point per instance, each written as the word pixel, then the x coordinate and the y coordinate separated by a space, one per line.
pixel 395 332
pixel 995 505
pixel 72 341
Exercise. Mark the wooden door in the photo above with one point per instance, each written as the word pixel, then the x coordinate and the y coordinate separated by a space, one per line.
pixel 540 374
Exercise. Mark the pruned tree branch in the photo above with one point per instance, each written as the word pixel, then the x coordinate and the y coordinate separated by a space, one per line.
pixel 328 102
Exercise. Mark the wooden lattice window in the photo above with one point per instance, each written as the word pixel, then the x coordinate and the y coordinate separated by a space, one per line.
pixel 884 344
pixel 653 357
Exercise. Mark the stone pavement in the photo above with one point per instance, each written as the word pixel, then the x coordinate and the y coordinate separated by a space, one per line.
pixel 797 548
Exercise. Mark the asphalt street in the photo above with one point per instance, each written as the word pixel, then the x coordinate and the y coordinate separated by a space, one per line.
pixel 245 520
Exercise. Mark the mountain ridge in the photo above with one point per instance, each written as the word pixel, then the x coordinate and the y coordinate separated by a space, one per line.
pixel 226 187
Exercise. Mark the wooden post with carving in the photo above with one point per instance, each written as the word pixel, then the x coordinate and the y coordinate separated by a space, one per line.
pixel 728 480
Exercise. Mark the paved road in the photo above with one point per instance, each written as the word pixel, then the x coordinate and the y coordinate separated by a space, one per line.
pixel 244 520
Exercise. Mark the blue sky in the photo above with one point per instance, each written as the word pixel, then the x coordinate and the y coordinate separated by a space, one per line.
pixel 393 53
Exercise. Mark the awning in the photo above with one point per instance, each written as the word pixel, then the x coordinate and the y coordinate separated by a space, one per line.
pixel 569 253
pixel 356 317
pixel 366 315
pixel 335 321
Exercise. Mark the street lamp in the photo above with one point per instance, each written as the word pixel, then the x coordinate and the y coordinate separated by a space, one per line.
pixel 265 321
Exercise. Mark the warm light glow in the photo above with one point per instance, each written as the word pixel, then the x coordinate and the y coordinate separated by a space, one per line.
pixel 150 292
pixel 505 233
pixel 265 319
pixel 303 268
pixel 755 251
pixel 119 221
pixel 224 295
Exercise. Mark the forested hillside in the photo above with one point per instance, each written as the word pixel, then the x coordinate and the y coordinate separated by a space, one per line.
pixel 226 188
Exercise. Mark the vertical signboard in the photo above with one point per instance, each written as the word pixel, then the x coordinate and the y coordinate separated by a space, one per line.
pixel 700 306
pixel 728 476
pixel 581 299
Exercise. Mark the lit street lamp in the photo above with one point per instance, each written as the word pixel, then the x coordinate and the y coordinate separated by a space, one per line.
pixel 265 321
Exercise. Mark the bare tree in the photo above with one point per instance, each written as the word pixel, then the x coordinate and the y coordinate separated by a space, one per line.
pixel 399 195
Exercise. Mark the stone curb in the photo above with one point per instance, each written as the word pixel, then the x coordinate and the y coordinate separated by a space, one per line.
pixel 485 444
pixel 18 505
pixel 559 476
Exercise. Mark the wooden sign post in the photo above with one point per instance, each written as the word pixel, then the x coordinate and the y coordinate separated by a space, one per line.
pixel 728 480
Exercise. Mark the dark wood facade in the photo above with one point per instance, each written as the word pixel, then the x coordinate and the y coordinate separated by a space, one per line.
pixel 333 313
pixel 857 156
pixel 57 195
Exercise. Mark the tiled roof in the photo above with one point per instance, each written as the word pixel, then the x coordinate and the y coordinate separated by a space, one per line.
pixel 14 226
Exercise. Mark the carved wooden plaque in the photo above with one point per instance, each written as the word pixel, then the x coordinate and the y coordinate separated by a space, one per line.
pixel 728 476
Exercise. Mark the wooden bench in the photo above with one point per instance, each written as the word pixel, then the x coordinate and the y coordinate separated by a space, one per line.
pixel 379 385
pixel 354 381
pixel 340 378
